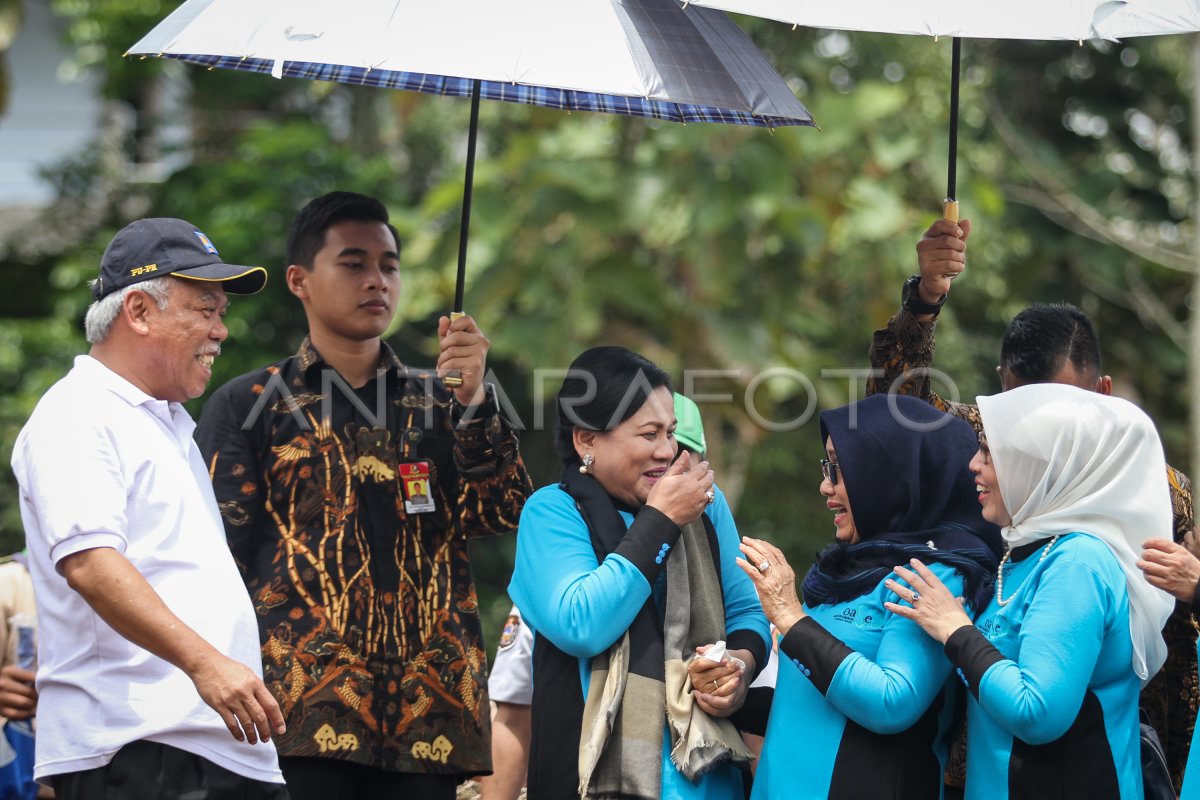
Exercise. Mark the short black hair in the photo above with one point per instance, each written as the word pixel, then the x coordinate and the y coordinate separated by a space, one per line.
pixel 1042 338
pixel 306 236
pixel 604 387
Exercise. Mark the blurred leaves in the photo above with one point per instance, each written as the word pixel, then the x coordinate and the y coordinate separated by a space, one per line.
pixel 11 17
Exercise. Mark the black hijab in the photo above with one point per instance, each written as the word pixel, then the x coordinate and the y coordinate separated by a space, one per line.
pixel 904 464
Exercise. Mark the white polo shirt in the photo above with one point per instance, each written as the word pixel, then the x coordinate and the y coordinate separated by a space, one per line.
pixel 102 464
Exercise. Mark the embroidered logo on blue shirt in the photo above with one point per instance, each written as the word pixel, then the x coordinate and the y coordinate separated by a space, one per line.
pixel 991 627
pixel 868 617
pixel 845 615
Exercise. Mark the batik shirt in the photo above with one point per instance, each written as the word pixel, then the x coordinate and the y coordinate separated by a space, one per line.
pixel 1170 700
pixel 367 612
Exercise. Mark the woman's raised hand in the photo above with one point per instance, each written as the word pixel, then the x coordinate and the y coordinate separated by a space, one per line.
pixel 927 602
pixel 684 490
pixel 774 580
pixel 1171 567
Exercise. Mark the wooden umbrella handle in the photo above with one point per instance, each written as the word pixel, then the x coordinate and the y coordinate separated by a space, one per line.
pixel 453 378
pixel 950 210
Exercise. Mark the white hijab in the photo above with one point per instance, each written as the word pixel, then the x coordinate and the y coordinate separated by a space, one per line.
pixel 1069 460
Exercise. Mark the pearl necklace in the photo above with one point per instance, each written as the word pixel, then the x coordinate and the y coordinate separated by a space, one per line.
pixel 1000 571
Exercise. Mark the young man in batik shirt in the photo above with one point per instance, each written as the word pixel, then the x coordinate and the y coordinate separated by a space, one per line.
pixel 349 485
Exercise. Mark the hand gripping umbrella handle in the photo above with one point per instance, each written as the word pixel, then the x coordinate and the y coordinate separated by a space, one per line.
pixel 453 378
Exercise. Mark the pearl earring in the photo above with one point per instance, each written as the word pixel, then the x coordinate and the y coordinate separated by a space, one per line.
pixel 586 467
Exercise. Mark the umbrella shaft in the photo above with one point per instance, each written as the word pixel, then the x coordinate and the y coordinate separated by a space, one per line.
pixel 952 169
pixel 468 185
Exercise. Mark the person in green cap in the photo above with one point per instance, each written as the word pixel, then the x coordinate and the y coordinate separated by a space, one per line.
pixel 689 428
pixel 510 684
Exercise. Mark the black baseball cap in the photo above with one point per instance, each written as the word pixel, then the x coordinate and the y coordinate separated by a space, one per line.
pixel 150 248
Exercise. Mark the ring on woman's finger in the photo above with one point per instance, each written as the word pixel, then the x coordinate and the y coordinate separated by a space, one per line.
pixel 715 686
pixel 763 566
pixel 915 597
pixel 711 495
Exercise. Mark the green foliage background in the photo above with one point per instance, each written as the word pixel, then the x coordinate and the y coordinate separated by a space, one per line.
pixel 702 246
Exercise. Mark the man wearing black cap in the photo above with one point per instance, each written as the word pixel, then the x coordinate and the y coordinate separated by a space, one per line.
pixel 149 675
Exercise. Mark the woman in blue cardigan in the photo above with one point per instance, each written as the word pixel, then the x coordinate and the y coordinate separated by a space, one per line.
pixel 624 571
pixel 1055 661
pixel 860 707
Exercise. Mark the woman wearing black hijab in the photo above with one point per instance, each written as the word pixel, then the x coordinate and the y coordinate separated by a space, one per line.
pixel 859 707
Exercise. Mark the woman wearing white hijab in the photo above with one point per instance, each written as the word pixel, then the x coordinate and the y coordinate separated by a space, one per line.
pixel 1055 662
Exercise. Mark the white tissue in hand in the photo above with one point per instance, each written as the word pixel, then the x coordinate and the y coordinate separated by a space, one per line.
pixel 718 652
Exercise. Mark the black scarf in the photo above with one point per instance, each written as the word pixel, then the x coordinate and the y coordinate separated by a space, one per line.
pixel 911 494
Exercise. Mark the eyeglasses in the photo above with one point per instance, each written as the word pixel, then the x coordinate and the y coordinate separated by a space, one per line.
pixel 830 470
pixel 983 448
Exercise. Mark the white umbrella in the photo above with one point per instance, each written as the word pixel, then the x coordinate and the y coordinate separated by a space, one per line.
pixel 1013 19
pixel 1127 18
pixel 635 57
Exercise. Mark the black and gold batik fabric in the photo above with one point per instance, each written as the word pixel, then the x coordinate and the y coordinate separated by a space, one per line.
pixel 900 354
pixel 371 640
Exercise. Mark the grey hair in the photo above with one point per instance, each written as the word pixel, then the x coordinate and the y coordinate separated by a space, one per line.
pixel 101 315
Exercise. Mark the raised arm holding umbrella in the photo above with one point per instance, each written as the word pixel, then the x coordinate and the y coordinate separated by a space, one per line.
pixel 1070 20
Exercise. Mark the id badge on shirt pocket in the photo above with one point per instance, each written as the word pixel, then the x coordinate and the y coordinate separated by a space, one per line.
pixel 414 483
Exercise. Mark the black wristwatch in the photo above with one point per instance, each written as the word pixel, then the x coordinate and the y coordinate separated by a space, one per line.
pixel 488 405
pixel 910 298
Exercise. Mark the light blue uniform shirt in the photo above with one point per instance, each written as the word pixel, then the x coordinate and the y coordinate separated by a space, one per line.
pixel 886 685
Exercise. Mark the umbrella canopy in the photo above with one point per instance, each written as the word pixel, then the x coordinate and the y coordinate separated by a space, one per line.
pixel 637 57
pixel 1122 20
pixel 645 58
pixel 1014 19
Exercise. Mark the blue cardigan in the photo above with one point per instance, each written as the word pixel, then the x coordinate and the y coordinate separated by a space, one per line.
pixel 583 607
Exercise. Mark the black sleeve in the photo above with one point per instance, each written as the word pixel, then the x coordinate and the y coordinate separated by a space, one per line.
pixel 971 652
pixel 816 652
pixel 648 541
pixel 749 640
pixel 752 716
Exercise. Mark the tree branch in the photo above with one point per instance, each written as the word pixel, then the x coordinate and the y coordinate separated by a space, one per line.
pixel 1088 221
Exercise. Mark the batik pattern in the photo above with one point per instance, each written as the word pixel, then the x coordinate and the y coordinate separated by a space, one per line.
pixel 369 621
